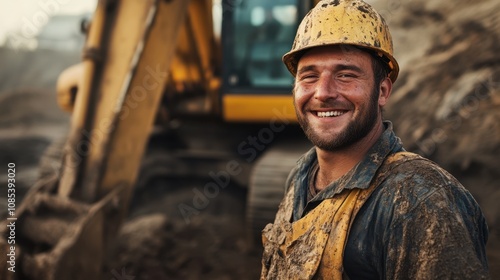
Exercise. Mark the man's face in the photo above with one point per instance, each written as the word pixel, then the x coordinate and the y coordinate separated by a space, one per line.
pixel 335 98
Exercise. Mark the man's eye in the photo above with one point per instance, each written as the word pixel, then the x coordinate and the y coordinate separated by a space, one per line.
pixel 308 77
pixel 346 75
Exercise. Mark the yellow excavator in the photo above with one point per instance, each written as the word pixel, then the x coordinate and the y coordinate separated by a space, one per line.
pixel 160 93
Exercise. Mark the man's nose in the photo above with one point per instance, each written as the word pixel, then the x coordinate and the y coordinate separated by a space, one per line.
pixel 325 88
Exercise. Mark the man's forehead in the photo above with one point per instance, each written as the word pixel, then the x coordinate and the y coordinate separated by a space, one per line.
pixel 342 52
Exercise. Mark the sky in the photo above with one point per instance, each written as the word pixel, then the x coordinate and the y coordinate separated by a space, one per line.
pixel 29 16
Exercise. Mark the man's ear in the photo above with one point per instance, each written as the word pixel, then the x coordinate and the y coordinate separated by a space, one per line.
pixel 385 91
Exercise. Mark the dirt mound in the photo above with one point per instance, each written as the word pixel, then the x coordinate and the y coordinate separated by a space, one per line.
pixel 158 243
pixel 30 107
pixel 446 103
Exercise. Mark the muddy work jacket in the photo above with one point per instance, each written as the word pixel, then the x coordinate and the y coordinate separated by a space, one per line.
pixel 395 215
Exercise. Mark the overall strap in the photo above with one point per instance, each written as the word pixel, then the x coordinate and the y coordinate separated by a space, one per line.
pixel 331 266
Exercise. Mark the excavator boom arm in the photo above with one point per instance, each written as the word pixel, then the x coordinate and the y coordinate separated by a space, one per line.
pixel 65 224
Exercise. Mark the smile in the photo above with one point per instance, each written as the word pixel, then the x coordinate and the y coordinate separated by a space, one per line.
pixel 330 114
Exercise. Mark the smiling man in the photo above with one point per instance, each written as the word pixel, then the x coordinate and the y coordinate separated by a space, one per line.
pixel 358 206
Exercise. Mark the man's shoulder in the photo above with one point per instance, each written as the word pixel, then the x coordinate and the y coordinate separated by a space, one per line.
pixel 414 182
pixel 409 169
pixel 419 204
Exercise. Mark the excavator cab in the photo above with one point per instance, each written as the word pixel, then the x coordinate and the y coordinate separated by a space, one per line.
pixel 255 35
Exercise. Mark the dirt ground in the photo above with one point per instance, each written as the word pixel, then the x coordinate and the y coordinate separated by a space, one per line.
pixel 157 243
pixel 446 107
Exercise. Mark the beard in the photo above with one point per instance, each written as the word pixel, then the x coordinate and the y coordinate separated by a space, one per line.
pixel 356 129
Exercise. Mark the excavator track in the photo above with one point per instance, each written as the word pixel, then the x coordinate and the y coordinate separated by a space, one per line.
pixel 267 184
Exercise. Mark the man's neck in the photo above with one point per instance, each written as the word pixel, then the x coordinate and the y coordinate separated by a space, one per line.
pixel 334 164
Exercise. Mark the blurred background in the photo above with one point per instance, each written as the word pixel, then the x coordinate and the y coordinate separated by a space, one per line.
pixel 445 106
pixel 38 40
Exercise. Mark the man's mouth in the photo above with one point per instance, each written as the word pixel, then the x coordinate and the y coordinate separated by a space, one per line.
pixel 330 114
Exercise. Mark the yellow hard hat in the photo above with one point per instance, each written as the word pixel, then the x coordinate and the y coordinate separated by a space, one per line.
pixel 343 22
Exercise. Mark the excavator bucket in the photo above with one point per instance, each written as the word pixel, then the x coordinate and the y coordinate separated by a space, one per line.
pixel 60 238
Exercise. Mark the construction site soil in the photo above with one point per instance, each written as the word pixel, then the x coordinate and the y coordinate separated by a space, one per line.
pixel 445 106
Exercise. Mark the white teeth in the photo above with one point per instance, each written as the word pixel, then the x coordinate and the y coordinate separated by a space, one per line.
pixel 329 114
